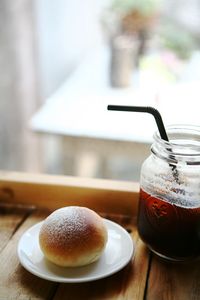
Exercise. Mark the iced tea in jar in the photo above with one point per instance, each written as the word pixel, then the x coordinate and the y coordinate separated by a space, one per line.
pixel 169 204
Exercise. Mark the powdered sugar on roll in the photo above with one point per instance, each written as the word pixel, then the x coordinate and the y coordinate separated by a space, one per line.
pixel 73 236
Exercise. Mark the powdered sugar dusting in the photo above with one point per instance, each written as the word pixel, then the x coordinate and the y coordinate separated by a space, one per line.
pixel 65 226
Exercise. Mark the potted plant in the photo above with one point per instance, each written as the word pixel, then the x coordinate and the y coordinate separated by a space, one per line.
pixel 130 22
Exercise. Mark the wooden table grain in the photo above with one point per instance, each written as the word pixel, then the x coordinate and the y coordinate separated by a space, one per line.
pixel 17 283
pixel 145 277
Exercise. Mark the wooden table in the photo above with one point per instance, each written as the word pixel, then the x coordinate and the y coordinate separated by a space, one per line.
pixel 26 199
pixel 76 117
pixel 86 138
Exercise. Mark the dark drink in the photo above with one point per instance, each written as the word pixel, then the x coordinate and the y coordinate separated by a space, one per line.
pixel 169 230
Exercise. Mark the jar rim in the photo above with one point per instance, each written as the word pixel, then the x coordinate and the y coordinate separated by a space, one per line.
pixel 184 141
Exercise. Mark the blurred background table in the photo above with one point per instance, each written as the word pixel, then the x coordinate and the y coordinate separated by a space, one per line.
pixel 93 141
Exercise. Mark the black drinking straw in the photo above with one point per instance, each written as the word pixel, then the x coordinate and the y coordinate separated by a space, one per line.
pixel 159 122
pixel 145 109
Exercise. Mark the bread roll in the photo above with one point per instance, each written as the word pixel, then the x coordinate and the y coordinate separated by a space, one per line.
pixel 73 236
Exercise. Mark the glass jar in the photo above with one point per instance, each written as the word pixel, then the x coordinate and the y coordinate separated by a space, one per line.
pixel 169 204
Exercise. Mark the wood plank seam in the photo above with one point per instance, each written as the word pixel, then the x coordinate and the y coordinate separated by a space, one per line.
pixel 23 220
pixel 147 275
pixel 22 213
pixel 15 281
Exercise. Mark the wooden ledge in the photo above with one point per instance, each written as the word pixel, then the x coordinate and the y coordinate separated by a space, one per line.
pixel 57 191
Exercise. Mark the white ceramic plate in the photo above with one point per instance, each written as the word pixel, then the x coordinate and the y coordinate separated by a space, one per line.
pixel 117 254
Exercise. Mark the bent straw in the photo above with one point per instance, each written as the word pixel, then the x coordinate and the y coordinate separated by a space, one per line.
pixel 159 122
pixel 146 109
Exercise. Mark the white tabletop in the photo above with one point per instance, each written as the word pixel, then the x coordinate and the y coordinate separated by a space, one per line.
pixel 79 106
